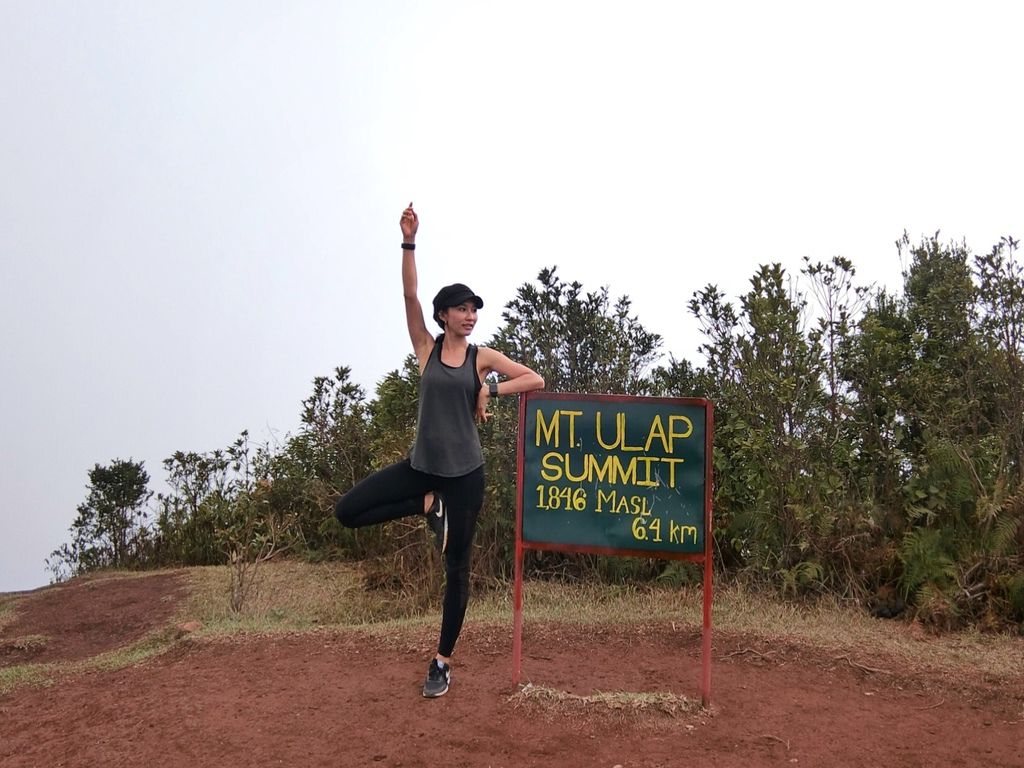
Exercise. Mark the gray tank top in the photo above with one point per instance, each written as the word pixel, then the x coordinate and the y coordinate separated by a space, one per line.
pixel 447 441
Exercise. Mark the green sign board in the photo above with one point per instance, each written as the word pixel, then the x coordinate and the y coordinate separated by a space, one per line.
pixel 615 474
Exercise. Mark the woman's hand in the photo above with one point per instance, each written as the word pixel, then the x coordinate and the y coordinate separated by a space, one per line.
pixel 410 223
pixel 482 398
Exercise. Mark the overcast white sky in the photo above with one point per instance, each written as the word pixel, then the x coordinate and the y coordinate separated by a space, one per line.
pixel 199 201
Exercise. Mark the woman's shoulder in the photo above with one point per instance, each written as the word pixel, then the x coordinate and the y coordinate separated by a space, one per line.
pixel 491 351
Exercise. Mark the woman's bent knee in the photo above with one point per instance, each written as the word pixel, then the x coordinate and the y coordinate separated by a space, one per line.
pixel 343 512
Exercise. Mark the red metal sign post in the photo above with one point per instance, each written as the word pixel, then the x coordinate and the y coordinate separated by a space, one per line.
pixel 615 475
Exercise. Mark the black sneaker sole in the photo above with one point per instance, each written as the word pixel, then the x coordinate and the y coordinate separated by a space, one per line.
pixel 440 539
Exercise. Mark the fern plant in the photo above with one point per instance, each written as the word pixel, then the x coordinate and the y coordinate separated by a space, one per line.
pixel 926 563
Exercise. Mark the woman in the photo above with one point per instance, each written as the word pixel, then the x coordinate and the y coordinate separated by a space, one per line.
pixel 443 477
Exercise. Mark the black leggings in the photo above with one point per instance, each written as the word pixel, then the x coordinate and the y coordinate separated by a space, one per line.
pixel 397 491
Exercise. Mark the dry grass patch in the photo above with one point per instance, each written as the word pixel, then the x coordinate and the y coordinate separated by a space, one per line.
pixel 826 624
pixel 295 596
pixel 7 609
pixel 832 626
pixel 152 645
pixel 12 678
pixel 24 675
pixel 27 643
pixel 618 702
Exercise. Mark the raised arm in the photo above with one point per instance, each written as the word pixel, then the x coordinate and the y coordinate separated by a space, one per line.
pixel 422 341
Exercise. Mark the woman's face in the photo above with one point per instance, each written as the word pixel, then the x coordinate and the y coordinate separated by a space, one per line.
pixel 460 319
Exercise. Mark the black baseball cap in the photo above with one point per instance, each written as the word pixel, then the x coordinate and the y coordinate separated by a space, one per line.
pixel 453 295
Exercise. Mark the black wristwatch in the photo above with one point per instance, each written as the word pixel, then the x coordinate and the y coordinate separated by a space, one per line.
pixel 492 388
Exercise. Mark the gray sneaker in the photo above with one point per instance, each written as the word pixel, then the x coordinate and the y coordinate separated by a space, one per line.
pixel 437 519
pixel 437 680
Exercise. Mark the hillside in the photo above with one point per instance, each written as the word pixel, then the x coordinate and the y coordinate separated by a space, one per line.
pixel 129 670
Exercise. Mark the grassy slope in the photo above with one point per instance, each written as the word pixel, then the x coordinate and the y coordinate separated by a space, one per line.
pixel 296 597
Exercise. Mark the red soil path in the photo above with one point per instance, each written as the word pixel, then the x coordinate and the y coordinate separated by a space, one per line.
pixel 332 698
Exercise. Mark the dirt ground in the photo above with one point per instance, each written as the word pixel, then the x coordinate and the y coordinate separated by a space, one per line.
pixel 330 698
